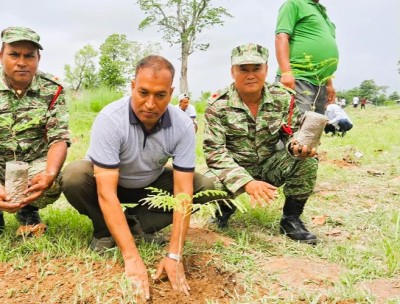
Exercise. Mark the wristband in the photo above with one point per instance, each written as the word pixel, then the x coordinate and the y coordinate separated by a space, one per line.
pixel 288 73
pixel 173 256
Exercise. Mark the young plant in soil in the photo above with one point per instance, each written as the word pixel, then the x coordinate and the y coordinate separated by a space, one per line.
pixel 162 199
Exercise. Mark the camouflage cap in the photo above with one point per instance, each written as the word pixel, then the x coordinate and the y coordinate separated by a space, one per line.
pixel 17 33
pixel 249 54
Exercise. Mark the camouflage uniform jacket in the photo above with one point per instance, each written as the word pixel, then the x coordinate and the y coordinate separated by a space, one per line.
pixel 27 126
pixel 235 143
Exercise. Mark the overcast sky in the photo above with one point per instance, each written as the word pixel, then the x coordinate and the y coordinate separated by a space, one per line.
pixel 368 36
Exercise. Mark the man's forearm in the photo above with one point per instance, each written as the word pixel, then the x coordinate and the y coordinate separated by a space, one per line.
pixel 283 52
pixel 180 226
pixel 118 226
pixel 56 157
pixel 183 193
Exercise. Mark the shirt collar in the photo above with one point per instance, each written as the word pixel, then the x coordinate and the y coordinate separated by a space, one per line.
pixel 236 102
pixel 323 8
pixel 163 123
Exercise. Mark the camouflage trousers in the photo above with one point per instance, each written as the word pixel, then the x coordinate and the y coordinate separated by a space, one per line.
pixel 298 177
pixel 50 195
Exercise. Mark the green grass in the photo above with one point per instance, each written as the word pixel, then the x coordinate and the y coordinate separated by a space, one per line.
pixel 363 206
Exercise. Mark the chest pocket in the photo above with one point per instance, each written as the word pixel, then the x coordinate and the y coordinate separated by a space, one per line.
pixel 31 119
pixel 236 126
pixel 158 153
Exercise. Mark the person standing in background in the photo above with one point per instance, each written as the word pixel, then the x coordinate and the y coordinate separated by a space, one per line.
pixel 185 106
pixel 356 100
pixel 307 53
pixel 363 103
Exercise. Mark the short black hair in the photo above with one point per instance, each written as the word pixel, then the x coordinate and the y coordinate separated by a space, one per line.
pixel 156 63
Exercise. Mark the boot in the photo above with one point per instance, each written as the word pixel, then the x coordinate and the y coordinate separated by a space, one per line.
pixel 28 215
pixel 31 224
pixel 291 224
pixel 137 231
pixel 221 219
pixel 2 224
pixel 294 228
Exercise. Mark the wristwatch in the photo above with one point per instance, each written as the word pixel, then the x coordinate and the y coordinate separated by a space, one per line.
pixel 173 256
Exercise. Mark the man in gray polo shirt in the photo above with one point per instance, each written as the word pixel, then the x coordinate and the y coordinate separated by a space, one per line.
pixel 131 141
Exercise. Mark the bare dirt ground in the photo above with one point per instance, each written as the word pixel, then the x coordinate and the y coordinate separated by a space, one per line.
pixel 70 280
pixel 59 280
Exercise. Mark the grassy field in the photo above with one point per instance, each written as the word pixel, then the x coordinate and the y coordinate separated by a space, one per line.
pixel 354 211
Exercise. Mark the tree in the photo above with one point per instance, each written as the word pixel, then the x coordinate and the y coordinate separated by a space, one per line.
pixel 398 64
pixel 83 74
pixel 394 96
pixel 368 89
pixel 348 94
pixel 182 21
pixel 119 57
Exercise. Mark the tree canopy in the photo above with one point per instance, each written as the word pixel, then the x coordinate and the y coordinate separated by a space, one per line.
pixel 83 74
pixel 115 67
pixel 119 57
pixel 182 21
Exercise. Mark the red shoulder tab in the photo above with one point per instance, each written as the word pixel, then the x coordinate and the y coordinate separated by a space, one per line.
pixel 53 101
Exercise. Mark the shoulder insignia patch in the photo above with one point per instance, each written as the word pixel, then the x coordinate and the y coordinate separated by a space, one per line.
pixel 50 77
pixel 217 95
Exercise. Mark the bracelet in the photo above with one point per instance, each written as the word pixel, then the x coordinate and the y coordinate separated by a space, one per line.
pixel 173 256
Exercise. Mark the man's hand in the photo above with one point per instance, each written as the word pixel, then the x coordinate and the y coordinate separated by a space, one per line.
pixel 136 271
pixel 5 204
pixel 288 80
pixel 175 273
pixel 39 183
pixel 300 151
pixel 330 92
pixel 260 192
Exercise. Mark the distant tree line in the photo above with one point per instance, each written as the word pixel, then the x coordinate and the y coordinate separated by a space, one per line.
pixel 371 91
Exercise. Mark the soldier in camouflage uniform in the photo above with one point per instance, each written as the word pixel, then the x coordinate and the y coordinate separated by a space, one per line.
pixel 246 149
pixel 33 124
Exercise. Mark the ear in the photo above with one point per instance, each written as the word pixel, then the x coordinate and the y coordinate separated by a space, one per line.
pixel 172 90
pixel 233 72
pixel 133 83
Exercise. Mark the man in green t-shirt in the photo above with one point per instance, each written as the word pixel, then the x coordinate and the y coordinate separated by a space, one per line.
pixel 306 52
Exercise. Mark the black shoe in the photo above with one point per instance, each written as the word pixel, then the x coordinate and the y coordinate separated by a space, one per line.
pixel 28 215
pixel 221 219
pixel 138 233
pixel 103 244
pixel 2 224
pixel 294 228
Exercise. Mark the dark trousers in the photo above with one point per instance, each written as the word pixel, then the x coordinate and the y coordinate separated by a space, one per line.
pixel 79 187
pixel 344 126
pixel 309 95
